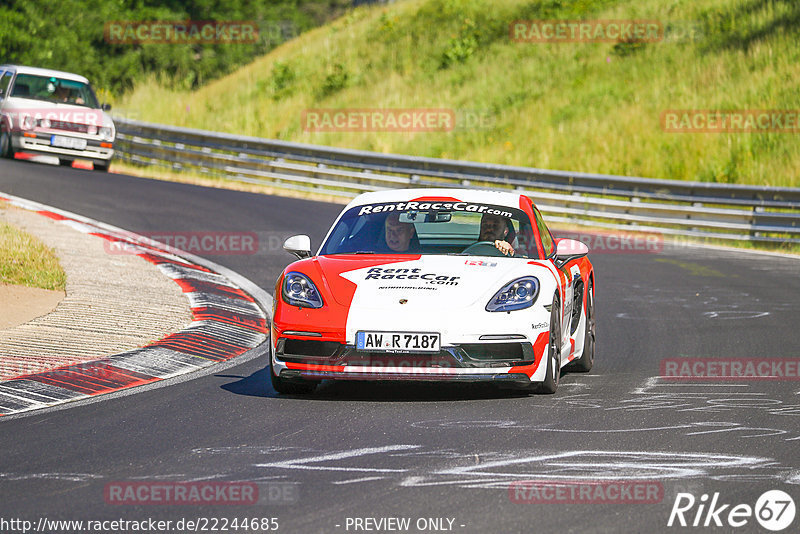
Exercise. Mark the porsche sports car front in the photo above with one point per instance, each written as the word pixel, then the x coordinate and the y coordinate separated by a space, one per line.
pixel 432 285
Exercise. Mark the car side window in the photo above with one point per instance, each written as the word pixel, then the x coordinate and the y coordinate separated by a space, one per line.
pixel 5 80
pixel 544 233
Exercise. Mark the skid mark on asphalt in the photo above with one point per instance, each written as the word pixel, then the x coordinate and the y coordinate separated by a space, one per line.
pixel 738 401
pixel 356 480
pixel 304 463
pixel 693 429
pixel 589 465
pixel 68 477
pixel 451 468
pixel 409 465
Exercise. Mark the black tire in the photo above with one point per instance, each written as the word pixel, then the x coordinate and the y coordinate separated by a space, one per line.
pixel 65 162
pixel 290 387
pixel 585 362
pixel 102 167
pixel 550 383
pixel 6 149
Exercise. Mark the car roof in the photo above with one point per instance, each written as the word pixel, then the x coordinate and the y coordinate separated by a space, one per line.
pixel 483 196
pixel 21 69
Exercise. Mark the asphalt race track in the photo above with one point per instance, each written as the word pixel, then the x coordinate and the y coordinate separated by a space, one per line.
pixel 423 452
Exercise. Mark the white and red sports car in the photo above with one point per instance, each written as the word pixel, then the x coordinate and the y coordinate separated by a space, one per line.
pixel 438 285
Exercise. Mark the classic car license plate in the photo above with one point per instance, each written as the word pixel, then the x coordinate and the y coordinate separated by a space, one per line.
pixel 398 341
pixel 68 142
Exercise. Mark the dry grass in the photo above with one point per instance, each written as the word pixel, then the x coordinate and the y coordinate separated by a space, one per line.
pixel 26 261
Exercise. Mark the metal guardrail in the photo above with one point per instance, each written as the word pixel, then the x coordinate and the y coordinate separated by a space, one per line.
pixel 691 209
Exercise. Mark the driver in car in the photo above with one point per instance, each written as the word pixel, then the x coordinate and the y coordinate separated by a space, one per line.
pixel 495 228
pixel 65 95
pixel 398 234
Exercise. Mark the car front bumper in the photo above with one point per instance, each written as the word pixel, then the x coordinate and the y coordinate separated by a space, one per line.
pixel 40 144
pixel 513 362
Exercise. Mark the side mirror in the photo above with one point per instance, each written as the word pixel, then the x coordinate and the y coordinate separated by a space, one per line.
pixel 299 245
pixel 105 107
pixel 568 250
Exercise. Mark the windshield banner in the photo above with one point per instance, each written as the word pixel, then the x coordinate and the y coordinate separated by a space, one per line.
pixel 424 206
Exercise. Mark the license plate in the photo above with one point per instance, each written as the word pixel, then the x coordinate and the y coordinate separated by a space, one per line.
pixel 398 341
pixel 74 143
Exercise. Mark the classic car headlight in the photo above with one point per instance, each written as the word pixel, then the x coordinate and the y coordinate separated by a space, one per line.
pixel 516 295
pixel 27 122
pixel 91 129
pixel 106 133
pixel 298 290
pixel 44 123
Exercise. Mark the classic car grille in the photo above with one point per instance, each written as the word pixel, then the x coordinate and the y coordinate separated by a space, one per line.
pixel 68 126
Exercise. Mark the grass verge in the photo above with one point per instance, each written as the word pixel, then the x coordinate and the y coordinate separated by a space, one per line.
pixel 26 261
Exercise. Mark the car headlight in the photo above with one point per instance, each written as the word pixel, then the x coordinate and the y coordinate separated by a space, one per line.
pixel 44 123
pixel 106 133
pixel 91 129
pixel 515 295
pixel 27 122
pixel 298 290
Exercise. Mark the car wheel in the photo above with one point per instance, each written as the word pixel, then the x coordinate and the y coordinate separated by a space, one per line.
pixel 65 162
pixel 6 151
pixel 102 167
pixel 290 387
pixel 585 362
pixel 550 383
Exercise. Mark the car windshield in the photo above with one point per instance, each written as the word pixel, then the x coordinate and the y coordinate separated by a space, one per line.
pixel 54 89
pixel 431 228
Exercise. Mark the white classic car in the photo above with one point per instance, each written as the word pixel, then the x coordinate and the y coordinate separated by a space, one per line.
pixel 56 113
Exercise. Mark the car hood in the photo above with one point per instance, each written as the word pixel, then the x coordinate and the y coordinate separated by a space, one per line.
pixel 417 282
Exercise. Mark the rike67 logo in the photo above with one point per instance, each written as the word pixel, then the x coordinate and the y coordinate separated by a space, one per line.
pixel 774 510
